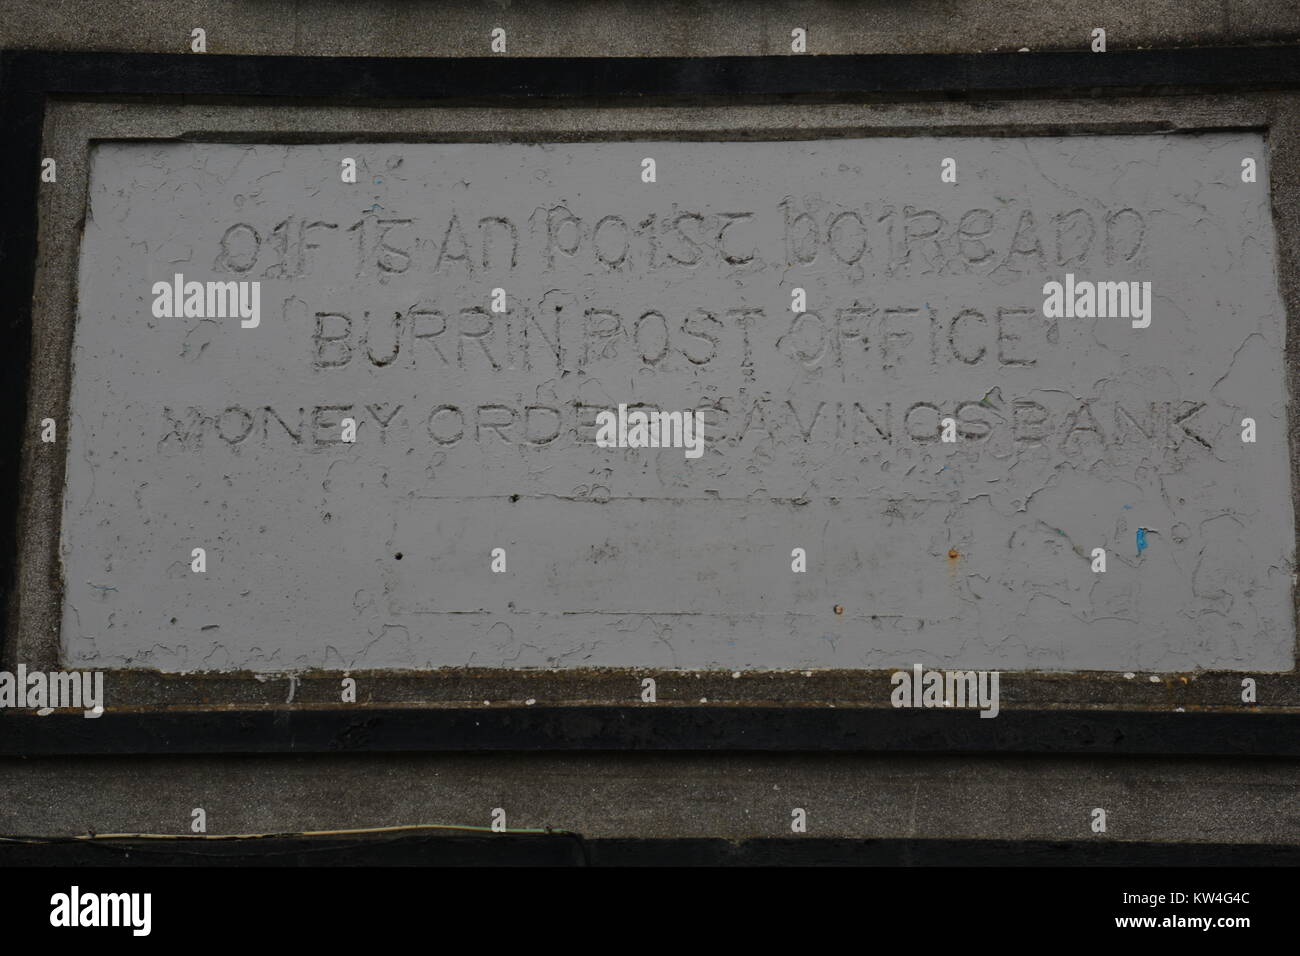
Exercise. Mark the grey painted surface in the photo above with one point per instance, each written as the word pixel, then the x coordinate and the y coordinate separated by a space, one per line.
pixel 475 430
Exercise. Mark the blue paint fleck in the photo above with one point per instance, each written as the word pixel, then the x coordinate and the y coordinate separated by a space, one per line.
pixel 1128 507
pixel 1141 539
pixel 378 181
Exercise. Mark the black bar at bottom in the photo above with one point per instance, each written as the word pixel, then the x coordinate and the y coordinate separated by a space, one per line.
pixel 658 727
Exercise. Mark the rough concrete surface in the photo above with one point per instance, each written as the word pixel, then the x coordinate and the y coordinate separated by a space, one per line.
pixel 600 28
pixel 822 429
pixel 733 796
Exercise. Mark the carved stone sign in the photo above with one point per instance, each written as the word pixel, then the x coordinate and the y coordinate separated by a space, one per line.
pixel 885 395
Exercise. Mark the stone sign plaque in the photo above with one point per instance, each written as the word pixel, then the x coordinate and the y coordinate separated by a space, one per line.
pixel 887 394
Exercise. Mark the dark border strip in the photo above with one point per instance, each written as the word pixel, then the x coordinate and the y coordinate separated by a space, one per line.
pixel 1238 68
pixel 561 849
pixel 21 115
pixel 654 727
